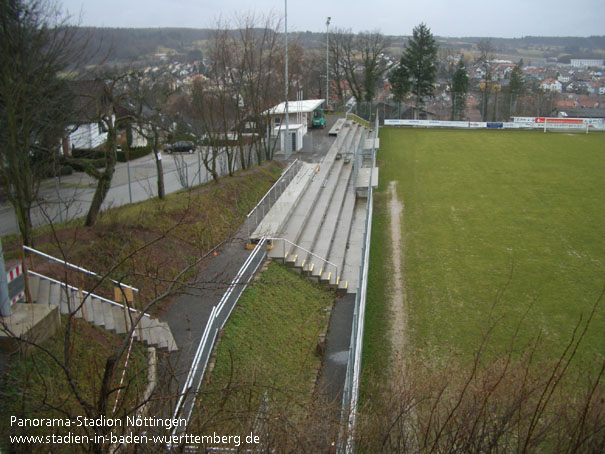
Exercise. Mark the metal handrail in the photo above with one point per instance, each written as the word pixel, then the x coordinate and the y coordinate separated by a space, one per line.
pixel 92 295
pixel 77 268
pixel 274 185
pixel 285 174
pixel 307 251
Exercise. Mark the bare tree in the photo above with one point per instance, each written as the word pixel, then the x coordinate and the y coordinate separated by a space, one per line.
pixel 486 55
pixel 150 118
pixel 241 86
pixel 35 45
pixel 105 95
pixel 361 61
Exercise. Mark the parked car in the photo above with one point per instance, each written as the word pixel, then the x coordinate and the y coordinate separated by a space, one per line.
pixel 183 146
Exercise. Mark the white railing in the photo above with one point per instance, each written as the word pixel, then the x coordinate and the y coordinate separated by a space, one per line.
pixel 218 317
pixel 87 294
pixel 78 268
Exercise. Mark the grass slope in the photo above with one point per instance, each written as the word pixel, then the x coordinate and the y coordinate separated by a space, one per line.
pixel 34 384
pixel 268 346
pixel 500 228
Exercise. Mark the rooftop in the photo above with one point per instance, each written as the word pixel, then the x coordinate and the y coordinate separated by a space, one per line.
pixel 304 106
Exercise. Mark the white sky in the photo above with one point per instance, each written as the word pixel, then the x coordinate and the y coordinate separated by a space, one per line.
pixel 508 19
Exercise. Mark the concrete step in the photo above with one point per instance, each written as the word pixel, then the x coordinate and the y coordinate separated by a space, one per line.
pixel 110 324
pixel 76 303
pixel 334 130
pixel 65 295
pixel 328 230
pixel 54 294
pixel 97 312
pixel 34 284
pixel 148 330
pixel 87 311
pixel 102 313
pixel 293 228
pixel 316 217
pixel 165 337
pixel 338 248
pixel 353 254
pixel 119 320
pixel 43 292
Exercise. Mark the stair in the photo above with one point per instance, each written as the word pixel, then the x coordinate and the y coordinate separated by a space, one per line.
pixel 323 234
pixel 100 311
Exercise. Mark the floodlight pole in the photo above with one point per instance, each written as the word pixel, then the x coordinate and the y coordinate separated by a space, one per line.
pixel 287 142
pixel 327 62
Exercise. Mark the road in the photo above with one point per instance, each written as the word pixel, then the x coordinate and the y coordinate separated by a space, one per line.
pixel 73 193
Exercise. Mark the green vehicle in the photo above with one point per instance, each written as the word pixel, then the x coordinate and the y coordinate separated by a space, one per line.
pixel 318 120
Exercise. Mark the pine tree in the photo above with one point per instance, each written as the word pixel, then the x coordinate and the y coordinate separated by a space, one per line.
pixel 516 87
pixel 418 63
pixel 459 90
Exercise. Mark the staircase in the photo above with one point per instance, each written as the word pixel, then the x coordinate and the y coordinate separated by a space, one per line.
pixel 100 311
pixel 321 235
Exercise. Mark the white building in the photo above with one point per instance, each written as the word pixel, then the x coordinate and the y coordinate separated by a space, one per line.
pixel 300 114
pixel 552 85
pixel 586 63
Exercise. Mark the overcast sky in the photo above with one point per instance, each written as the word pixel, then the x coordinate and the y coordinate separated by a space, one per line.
pixel 509 19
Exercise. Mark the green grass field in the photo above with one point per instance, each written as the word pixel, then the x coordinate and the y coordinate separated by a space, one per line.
pixel 503 228
pixel 267 351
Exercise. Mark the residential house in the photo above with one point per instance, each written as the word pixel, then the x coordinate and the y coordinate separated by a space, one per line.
pixel 552 85
pixel 86 131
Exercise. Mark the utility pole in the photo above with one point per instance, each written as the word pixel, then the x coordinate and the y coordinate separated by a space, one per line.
pixel 328 62
pixel 287 142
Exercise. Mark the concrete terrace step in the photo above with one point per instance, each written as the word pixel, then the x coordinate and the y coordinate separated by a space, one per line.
pixel 281 210
pixel 328 230
pixel 338 247
pixel 334 130
pixel 371 142
pixel 312 218
pixel 316 217
pixel 352 260
pixel 293 228
pixel 351 142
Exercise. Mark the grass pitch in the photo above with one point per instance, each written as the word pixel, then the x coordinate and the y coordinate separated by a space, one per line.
pixel 500 228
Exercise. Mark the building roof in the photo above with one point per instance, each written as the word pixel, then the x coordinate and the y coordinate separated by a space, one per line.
pixel 304 106
pixel 586 113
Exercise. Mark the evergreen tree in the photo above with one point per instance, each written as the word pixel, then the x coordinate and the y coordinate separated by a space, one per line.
pixel 459 90
pixel 515 88
pixel 418 63
pixel 400 85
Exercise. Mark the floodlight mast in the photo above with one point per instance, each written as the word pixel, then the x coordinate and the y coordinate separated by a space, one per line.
pixel 328 61
pixel 287 142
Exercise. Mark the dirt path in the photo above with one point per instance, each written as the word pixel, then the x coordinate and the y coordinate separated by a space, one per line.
pixel 398 301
